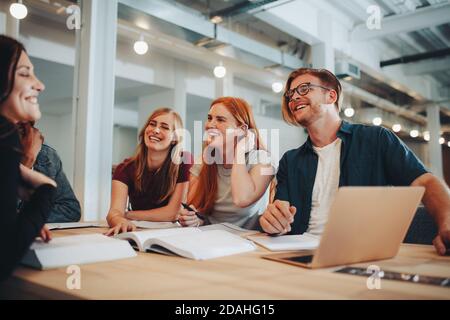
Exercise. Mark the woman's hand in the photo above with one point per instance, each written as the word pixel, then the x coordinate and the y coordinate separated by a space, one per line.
pixel 124 225
pixel 246 141
pixel 188 218
pixel 45 234
pixel 31 139
pixel 31 180
pixel 35 179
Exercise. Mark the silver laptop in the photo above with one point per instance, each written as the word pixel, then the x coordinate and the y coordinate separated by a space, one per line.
pixel 364 224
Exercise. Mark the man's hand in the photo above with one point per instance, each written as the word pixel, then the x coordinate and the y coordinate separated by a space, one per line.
pixel 278 217
pixel 437 202
pixel 442 241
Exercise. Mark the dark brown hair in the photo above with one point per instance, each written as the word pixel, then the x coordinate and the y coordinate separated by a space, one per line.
pixel 10 51
pixel 327 78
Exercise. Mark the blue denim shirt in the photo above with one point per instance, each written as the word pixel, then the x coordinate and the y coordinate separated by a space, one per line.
pixel 370 156
pixel 65 207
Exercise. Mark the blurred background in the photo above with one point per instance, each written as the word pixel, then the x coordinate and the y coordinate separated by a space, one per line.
pixel 107 64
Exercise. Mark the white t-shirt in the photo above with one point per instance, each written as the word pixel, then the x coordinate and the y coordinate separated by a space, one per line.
pixel 325 185
pixel 224 209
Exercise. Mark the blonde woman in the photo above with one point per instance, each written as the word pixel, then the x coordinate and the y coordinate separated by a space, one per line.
pixel 155 179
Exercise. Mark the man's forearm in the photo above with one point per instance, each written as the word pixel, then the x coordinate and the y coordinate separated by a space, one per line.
pixel 436 199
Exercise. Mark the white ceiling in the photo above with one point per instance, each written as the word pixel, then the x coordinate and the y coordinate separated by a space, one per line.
pixel 58 79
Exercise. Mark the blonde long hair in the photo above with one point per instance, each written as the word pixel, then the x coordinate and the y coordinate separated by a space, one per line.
pixel 164 179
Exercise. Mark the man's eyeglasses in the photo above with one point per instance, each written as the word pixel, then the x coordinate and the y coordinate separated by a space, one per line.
pixel 302 90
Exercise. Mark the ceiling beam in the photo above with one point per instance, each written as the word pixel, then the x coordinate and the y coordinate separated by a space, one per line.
pixel 440 35
pixel 416 57
pixel 176 15
pixel 241 7
pixel 419 19
pixel 427 66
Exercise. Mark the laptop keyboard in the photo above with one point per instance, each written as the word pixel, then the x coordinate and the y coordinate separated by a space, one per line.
pixel 301 259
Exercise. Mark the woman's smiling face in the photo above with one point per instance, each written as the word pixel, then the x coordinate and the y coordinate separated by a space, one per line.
pixel 219 120
pixel 159 133
pixel 22 104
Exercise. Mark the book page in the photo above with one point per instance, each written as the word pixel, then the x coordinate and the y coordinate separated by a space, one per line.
pixel 287 242
pixel 143 236
pixel 204 245
pixel 79 249
pixel 70 241
pixel 75 225
pixel 225 226
pixel 156 225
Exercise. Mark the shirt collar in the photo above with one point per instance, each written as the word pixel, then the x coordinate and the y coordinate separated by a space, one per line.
pixel 345 129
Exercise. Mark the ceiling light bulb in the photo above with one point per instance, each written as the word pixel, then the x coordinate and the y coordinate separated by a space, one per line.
pixel 140 46
pixel 18 10
pixel 349 112
pixel 377 121
pixel 216 19
pixel 414 133
pixel 220 71
pixel 397 127
pixel 277 87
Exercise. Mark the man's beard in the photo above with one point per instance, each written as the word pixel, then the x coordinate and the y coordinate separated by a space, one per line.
pixel 311 117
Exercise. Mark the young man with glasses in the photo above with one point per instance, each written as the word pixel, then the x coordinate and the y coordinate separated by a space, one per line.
pixel 336 154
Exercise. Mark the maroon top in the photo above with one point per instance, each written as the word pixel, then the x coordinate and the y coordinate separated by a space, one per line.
pixel 125 173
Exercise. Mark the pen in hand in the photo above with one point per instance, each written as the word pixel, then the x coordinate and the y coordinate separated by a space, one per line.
pixel 201 217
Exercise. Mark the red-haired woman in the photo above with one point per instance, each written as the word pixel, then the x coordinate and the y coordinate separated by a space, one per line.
pixel 231 184
pixel 155 180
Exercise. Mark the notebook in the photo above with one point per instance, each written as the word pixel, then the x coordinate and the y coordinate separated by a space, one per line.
pixel 230 228
pixel 79 249
pixel 287 243
pixel 75 225
pixel 156 225
pixel 191 243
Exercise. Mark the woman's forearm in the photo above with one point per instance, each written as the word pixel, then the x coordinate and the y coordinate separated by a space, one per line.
pixel 242 186
pixel 166 213
pixel 114 217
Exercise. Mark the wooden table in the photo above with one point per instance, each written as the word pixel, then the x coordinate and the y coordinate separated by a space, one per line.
pixel 244 276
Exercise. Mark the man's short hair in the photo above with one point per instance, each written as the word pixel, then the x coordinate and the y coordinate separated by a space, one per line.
pixel 327 78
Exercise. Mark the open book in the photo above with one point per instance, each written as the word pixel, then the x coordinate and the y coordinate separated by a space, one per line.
pixel 155 225
pixel 191 243
pixel 75 225
pixel 286 243
pixel 230 228
pixel 80 249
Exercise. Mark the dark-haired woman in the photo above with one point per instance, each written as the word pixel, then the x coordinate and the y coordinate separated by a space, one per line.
pixel 19 91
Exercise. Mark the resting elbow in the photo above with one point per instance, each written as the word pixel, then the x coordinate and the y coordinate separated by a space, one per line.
pixel 241 202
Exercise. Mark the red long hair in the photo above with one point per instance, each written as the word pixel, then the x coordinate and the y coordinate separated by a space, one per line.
pixel 205 194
